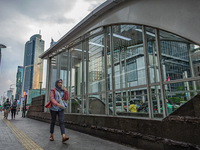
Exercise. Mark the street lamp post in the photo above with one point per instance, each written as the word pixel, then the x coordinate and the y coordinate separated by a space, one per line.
pixel 24 79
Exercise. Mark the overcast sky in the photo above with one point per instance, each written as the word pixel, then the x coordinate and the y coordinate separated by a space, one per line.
pixel 20 19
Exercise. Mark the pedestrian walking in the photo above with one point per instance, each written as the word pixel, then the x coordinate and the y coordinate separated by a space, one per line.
pixel 56 95
pixel 13 108
pixel 6 108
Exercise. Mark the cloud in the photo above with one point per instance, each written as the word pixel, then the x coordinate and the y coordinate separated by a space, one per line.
pixel 38 10
pixel 20 19
pixel 94 4
pixel 56 19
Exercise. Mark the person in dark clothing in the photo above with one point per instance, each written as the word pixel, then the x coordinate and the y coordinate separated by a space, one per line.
pixel 13 108
pixel 6 108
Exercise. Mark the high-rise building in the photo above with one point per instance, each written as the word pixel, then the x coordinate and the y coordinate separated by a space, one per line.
pixel 19 78
pixel 10 94
pixel 33 65
pixel 1 46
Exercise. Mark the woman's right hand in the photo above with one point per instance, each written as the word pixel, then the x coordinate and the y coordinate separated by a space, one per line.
pixel 59 105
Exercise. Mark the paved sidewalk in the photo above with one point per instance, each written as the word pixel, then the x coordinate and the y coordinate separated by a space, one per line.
pixel 39 133
pixel 7 139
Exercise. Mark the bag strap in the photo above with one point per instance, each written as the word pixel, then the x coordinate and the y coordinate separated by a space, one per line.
pixel 59 95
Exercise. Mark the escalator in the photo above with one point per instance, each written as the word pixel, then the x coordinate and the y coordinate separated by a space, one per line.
pixel 96 106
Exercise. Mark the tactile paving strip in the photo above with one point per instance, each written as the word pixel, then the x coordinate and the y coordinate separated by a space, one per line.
pixel 26 142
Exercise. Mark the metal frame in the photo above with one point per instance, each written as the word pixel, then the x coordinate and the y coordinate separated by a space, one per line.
pixel 87 75
pixel 147 71
pixel 112 71
pixel 70 93
pixel 160 72
pixel 191 69
pixel 82 86
pixel 105 73
pixel 48 81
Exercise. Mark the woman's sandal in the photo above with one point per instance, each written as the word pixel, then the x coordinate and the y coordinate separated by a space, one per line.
pixel 51 138
pixel 65 139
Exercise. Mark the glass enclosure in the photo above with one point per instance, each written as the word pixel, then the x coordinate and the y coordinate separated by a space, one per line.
pixel 128 71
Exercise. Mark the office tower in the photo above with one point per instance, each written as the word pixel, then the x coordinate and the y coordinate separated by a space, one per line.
pixel 10 94
pixel 1 46
pixel 33 65
pixel 19 78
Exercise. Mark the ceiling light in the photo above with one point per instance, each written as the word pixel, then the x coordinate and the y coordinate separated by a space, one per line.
pixel 121 37
pixel 81 50
pixel 96 44
pixel 149 33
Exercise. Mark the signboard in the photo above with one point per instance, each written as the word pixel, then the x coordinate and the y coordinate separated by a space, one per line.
pixel 24 93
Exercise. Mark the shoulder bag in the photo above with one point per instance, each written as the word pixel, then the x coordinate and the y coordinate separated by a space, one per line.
pixel 63 104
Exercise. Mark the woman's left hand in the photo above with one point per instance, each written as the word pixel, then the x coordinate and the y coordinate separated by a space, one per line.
pixel 64 89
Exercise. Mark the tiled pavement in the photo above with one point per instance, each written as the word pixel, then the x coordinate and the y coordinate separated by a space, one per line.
pixel 39 133
pixel 7 140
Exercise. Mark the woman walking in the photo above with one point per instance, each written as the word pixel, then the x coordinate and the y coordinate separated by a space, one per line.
pixel 55 108
pixel 13 108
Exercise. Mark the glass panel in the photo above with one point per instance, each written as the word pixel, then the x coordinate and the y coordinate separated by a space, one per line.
pixel 97 104
pixel 76 70
pixel 152 56
pixel 64 68
pixel 132 103
pixel 129 67
pixel 83 104
pixel 96 64
pixel 53 72
pixel 175 57
pixel 195 55
pixel 93 32
pixel 179 93
pixel 156 101
pixel 194 60
pixel 73 42
pixel 74 105
pixel 110 108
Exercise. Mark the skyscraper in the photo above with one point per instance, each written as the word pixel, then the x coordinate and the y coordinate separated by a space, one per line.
pixel 33 65
pixel 1 46
pixel 10 94
pixel 19 77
